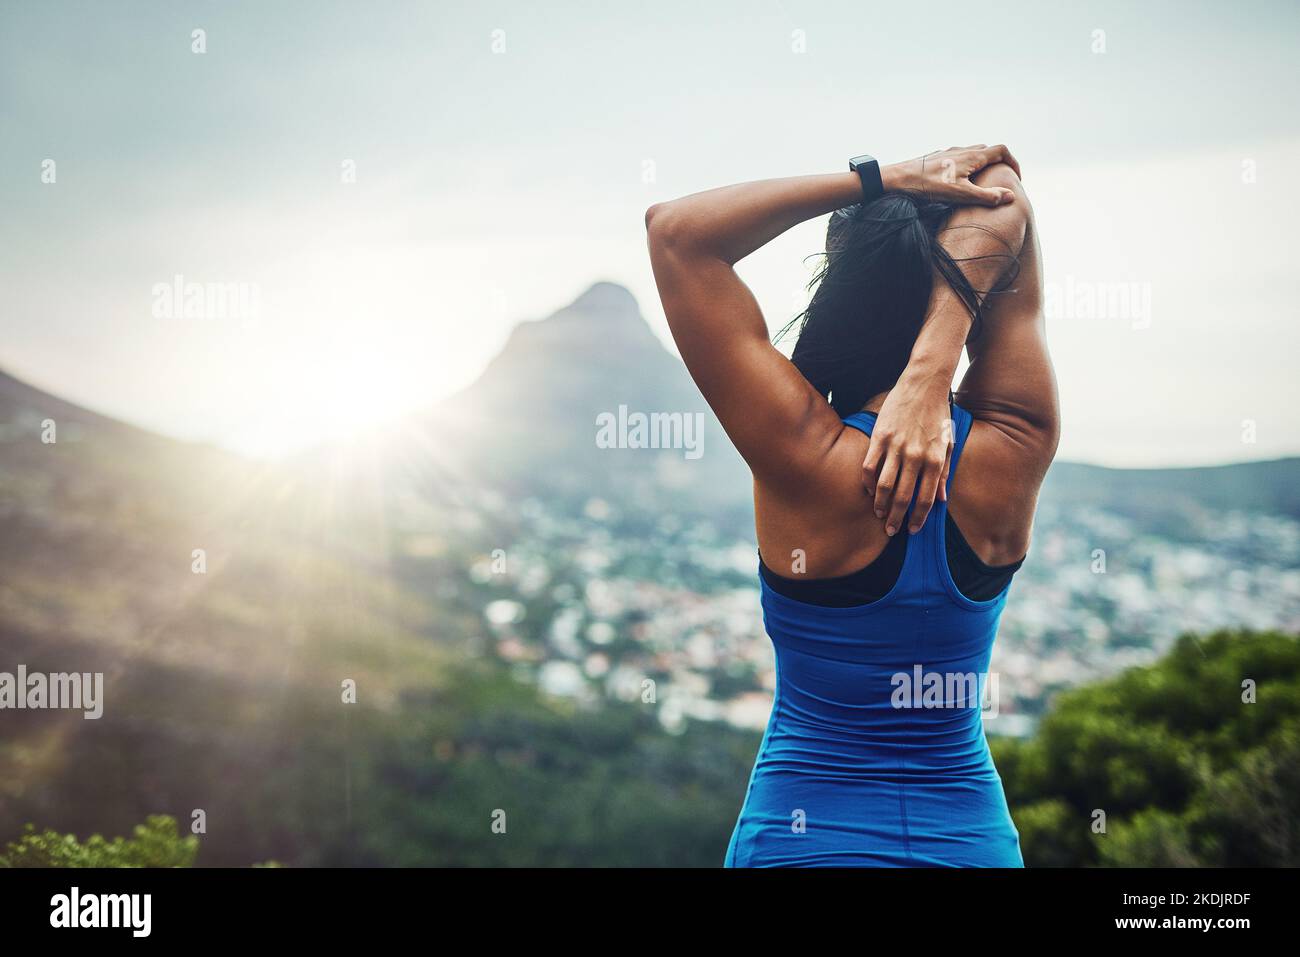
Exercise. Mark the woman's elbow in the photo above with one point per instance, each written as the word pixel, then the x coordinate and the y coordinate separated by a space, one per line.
pixel 1002 176
pixel 999 174
pixel 663 226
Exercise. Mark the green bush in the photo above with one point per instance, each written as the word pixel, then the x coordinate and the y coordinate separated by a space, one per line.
pixel 1186 771
pixel 157 843
pixel 1058 834
pixel 1151 838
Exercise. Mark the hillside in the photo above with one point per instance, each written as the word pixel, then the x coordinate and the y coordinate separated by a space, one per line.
pixel 215 675
pixel 1163 498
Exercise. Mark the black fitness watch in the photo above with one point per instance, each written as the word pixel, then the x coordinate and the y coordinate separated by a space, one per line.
pixel 868 171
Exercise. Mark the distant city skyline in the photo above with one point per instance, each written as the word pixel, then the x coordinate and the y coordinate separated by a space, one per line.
pixel 388 190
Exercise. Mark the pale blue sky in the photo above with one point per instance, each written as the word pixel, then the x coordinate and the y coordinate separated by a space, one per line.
pixel 493 187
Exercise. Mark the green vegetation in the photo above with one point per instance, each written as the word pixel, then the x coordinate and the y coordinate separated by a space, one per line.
pixel 573 787
pixel 1186 772
pixel 157 843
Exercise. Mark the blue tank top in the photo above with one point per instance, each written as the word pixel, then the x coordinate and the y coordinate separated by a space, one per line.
pixel 874 754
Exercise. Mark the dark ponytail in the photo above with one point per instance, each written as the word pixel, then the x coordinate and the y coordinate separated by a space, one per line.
pixel 871 294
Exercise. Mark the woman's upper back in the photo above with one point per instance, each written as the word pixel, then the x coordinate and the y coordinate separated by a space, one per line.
pixel 829 528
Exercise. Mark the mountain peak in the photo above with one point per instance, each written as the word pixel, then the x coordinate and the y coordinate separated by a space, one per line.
pixel 606 300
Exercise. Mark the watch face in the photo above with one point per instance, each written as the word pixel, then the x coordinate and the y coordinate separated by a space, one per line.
pixel 860 161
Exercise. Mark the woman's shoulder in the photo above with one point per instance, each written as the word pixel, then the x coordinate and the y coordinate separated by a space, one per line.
pixel 994 488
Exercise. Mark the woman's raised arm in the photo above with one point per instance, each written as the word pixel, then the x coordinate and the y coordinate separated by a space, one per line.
pixel 778 422
pixel 1010 383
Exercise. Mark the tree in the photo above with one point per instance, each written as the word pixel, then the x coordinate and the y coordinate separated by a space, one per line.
pixel 1194 760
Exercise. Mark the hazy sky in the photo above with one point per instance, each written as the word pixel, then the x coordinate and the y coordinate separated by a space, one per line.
pixel 505 153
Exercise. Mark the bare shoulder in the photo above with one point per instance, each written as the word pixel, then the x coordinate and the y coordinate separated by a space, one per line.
pixel 994 492
pixel 825 517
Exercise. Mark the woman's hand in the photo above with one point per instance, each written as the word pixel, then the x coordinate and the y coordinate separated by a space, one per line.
pixel 946 176
pixel 911 448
